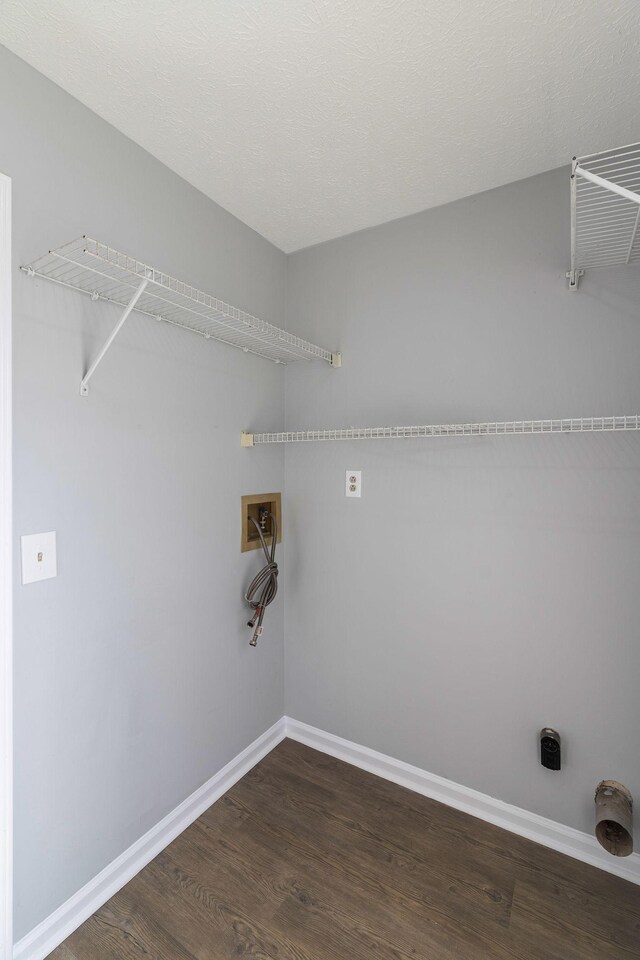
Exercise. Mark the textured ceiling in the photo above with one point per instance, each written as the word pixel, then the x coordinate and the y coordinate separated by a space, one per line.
pixel 309 119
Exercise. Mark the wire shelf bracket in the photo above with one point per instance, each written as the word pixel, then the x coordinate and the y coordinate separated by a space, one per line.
pixel 84 383
pixel 483 429
pixel 605 210
pixel 95 269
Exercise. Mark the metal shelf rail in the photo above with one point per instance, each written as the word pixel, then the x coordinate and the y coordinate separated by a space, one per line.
pixel 605 210
pixel 505 428
pixel 103 273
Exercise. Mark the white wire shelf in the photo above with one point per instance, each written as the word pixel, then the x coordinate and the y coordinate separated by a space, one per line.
pixel 605 210
pixel 504 428
pixel 103 273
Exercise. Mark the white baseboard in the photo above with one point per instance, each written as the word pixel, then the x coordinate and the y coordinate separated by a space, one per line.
pixel 573 843
pixel 55 928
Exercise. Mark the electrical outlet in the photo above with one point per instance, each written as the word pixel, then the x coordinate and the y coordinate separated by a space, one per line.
pixel 353 485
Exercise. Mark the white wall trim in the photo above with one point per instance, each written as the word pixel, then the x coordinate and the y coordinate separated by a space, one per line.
pixel 55 928
pixel 573 843
pixel 6 581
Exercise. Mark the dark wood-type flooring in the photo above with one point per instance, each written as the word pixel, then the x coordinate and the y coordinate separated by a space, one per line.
pixel 308 858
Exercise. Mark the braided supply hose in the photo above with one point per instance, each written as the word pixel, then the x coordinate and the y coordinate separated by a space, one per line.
pixel 264 586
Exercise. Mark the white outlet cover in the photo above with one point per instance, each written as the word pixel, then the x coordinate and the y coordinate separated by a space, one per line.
pixel 353 483
pixel 39 561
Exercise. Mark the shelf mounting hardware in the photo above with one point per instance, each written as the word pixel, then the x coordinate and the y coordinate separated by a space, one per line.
pixel 573 276
pixel 84 383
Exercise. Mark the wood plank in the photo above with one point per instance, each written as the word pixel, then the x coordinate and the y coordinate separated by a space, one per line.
pixel 576 924
pixel 407 899
pixel 376 858
pixel 121 930
pixel 208 922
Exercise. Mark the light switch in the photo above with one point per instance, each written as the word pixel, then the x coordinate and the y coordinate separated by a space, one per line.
pixel 39 557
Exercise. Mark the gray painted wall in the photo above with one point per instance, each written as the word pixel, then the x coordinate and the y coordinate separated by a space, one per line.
pixel 134 680
pixel 482 588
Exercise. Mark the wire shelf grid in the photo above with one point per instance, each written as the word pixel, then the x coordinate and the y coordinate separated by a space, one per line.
pixel 103 273
pixel 504 428
pixel 605 223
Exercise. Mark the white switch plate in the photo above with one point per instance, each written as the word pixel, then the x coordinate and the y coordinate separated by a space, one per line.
pixel 353 483
pixel 39 560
